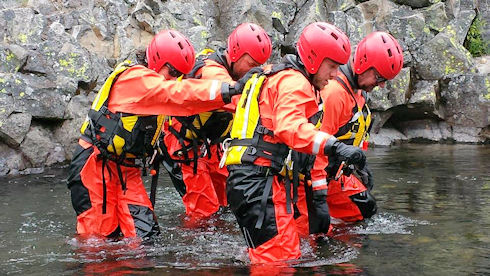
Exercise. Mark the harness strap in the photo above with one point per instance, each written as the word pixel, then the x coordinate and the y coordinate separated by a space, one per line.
pixel 154 182
pixel 263 201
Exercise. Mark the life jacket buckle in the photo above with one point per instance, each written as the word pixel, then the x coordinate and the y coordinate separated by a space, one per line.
pixel 252 150
pixel 104 110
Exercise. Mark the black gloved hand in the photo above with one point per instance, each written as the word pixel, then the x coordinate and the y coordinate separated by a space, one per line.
pixel 366 177
pixel 228 91
pixel 350 154
pixel 319 217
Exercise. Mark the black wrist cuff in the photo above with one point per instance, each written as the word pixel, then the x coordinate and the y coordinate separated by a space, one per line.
pixel 225 92
pixel 330 146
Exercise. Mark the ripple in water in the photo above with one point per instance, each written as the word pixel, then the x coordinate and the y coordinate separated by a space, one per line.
pixel 387 223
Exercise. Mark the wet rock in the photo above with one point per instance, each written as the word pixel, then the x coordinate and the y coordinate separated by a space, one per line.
pixel 379 119
pixel 386 137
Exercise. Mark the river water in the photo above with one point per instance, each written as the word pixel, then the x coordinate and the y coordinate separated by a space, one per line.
pixel 433 219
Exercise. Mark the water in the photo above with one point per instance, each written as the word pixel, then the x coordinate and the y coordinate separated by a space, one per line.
pixel 434 219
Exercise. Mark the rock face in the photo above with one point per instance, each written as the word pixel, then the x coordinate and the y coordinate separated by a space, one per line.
pixel 56 54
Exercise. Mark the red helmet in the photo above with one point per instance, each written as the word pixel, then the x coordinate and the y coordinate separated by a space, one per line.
pixel 322 40
pixel 381 51
pixel 249 38
pixel 172 47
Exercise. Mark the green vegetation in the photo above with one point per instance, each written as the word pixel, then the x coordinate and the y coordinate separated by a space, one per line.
pixel 474 41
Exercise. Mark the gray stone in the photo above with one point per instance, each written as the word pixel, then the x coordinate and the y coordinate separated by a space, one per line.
pixel 24 27
pixel 386 137
pixel 69 131
pixel 458 27
pixel 379 119
pixel 37 146
pixel 408 27
pixel 466 100
pixel 394 94
pixel 11 161
pixel 442 57
pixel 10 60
pixel 14 128
pixel 435 16
pixel 426 129
pixel 416 3
pixel 424 98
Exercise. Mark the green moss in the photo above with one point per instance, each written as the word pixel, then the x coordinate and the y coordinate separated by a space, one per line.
pixel 22 38
pixel 10 56
pixel 277 15
pixel 474 41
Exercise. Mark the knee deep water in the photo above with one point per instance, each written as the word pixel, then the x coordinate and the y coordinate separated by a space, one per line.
pixel 433 219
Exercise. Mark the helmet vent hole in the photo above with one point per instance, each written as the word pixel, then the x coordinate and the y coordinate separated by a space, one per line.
pixel 398 49
pixel 321 27
pixel 389 53
pixel 158 55
pixel 258 38
pixel 313 54
pixel 383 38
pixel 343 47
pixel 252 27
pixel 172 34
pixel 180 45
pixel 335 36
pixel 393 67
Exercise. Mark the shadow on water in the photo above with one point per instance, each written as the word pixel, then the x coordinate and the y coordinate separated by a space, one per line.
pixel 433 219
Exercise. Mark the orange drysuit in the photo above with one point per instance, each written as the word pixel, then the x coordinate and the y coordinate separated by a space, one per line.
pixel 205 182
pixel 104 204
pixel 257 194
pixel 348 198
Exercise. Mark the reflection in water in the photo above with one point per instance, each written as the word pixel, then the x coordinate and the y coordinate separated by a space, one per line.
pixel 434 218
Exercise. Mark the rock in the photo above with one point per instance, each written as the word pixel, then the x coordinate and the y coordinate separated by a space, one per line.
pixel 465 100
pixel 394 94
pixel 379 119
pixel 37 146
pixel 386 137
pixel 442 57
pixel 14 128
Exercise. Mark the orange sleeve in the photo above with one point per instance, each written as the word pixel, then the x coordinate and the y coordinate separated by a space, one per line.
pixel 216 71
pixel 337 110
pixel 295 99
pixel 142 91
pixel 334 105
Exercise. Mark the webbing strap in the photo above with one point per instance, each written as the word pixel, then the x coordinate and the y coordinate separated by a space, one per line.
pixel 263 201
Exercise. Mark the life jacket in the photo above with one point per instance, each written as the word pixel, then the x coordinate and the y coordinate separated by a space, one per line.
pixel 206 128
pixel 356 131
pixel 247 139
pixel 120 135
pixel 247 132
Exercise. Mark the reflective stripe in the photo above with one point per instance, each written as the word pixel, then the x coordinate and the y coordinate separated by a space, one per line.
pixel 214 88
pixel 320 136
pixel 318 183
pixel 247 109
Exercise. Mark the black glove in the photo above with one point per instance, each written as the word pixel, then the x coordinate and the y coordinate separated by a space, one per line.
pixel 319 217
pixel 350 154
pixel 366 177
pixel 228 91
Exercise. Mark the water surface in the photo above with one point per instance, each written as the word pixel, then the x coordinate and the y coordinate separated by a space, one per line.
pixel 434 219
